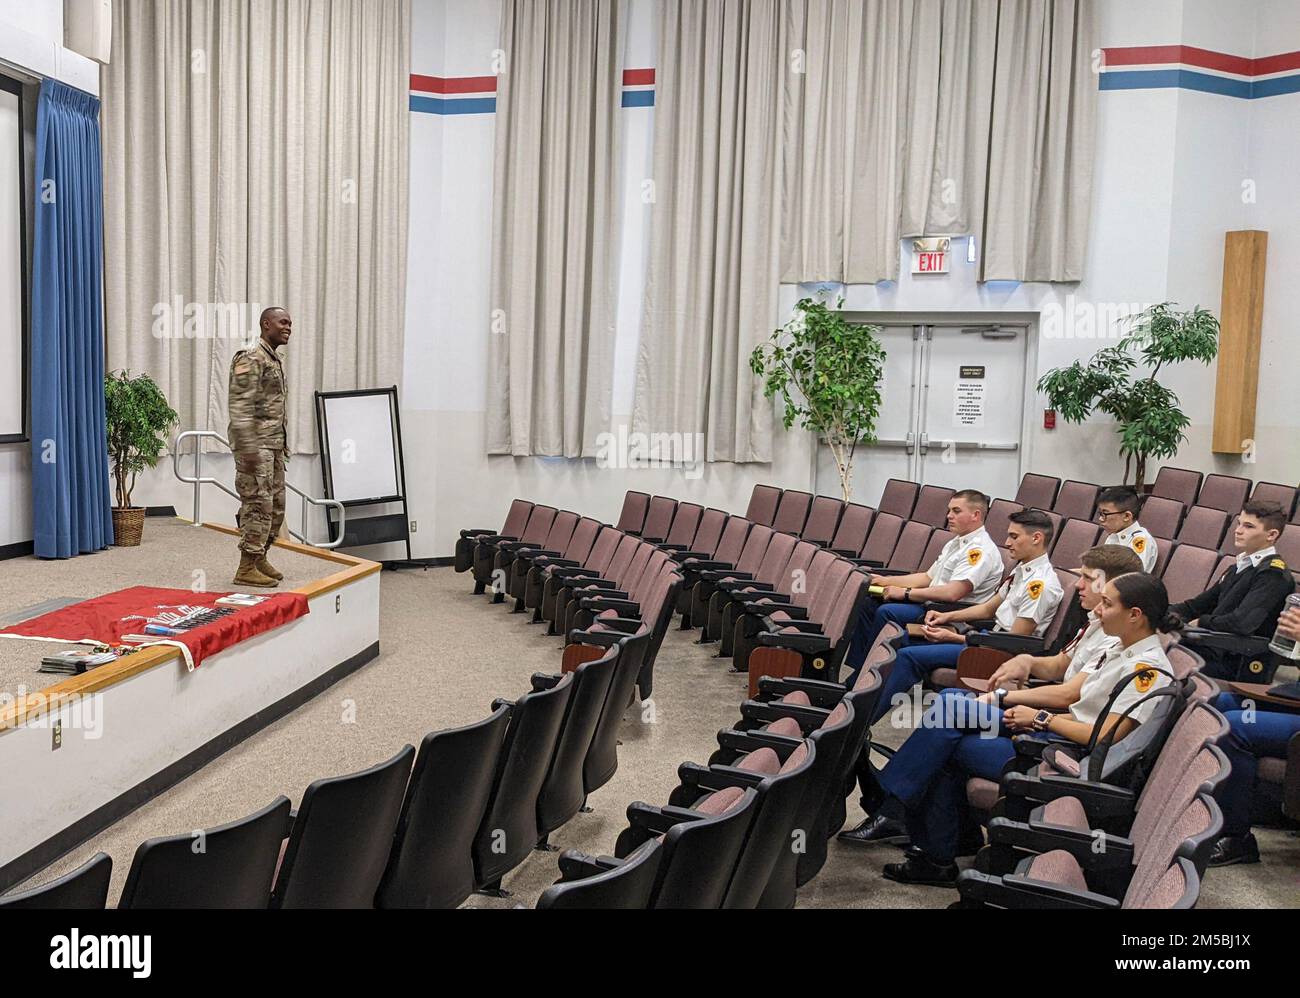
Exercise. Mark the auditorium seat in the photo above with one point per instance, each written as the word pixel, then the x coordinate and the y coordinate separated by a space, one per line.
pixel 535 532
pixel 823 521
pixel 932 506
pixel 516 519
pixel 1283 495
pixel 1077 500
pixel 820 638
pixel 1057 520
pixel 999 519
pixel 792 512
pixel 1225 492
pixel 563 794
pixel 626 884
pixel 933 545
pixel 1037 491
pixel 705 537
pixel 685 524
pixel 1163 550
pixel 513 578
pixel 1187 573
pixel 431 864
pixel 908 552
pixel 898 498
pixel 761 561
pixel 575 554
pixel 730 597
pixel 553 578
pixel 763 501
pixel 341 836
pixel 567 582
pixel 1288 547
pixel 1073 538
pixel 509 830
pixel 234 868
pixel 748 616
pixel 1161 516
pixel 728 550
pixel 851 534
pixel 658 520
pixel 882 539
pixel 1203 526
pixel 623 601
pixel 632 517
pixel 1179 484
pixel 85 888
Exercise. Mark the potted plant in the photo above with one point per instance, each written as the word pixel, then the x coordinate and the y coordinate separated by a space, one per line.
pixel 828 372
pixel 138 418
pixel 1150 424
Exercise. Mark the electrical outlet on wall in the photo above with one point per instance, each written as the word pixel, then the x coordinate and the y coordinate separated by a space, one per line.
pixel 57 730
pixel 414 526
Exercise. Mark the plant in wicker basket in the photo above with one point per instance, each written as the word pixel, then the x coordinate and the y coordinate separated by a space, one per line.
pixel 138 418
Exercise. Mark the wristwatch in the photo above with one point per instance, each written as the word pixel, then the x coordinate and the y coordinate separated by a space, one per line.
pixel 1042 719
pixel 907 595
pixel 1001 694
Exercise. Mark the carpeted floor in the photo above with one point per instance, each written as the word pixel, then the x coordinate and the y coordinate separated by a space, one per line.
pixel 445 655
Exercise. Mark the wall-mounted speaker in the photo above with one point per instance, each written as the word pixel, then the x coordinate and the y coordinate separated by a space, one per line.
pixel 88 28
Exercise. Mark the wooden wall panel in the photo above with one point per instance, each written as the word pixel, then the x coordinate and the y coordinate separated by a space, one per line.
pixel 1240 323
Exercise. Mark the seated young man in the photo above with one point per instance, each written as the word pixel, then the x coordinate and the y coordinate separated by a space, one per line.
pixel 1255 729
pixel 1085 653
pixel 1117 510
pixel 968 568
pixel 1249 597
pixel 1023 604
pixel 963 736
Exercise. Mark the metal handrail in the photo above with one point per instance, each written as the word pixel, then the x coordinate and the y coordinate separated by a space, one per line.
pixel 198 480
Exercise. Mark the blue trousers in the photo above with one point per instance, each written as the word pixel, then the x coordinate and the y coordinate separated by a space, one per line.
pixel 1267 732
pixel 958 738
pixel 914 663
pixel 872 618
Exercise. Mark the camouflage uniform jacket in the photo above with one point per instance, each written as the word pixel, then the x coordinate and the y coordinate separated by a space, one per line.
pixel 256 401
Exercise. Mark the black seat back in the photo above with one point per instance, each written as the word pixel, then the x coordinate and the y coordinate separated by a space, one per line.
pixel 602 755
pixel 84 888
pixel 563 790
pixel 509 830
pixel 230 866
pixel 431 865
pixel 340 841
pixel 700 856
pixel 629 885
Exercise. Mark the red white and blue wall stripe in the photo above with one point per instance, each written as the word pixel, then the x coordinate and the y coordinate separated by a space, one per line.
pixel 1185 67
pixel 478 94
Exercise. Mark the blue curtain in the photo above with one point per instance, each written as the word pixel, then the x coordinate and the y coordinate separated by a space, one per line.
pixel 70 493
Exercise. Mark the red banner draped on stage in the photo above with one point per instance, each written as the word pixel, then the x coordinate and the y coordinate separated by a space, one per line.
pixel 104 619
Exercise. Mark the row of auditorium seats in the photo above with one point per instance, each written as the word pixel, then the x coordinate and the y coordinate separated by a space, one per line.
pixel 421 830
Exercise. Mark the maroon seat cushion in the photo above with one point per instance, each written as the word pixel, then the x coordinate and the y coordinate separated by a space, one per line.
pixel 762 760
pixel 720 802
pixel 1066 811
pixel 786 726
pixel 1058 867
pixel 981 794
pixel 798 697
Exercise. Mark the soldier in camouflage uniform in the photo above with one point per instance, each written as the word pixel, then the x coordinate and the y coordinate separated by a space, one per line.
pixel 257 436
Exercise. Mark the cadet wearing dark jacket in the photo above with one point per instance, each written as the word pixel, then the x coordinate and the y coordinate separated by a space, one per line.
pixel 1249 597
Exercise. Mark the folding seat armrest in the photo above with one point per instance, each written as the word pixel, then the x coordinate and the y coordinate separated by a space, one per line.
pixel 544 554
pixel 1031 747
pixel 1099 799
pixel 820 693
pixel 602 639
pixel 575 865
pixel 555 562
pixel 750 741
pixel 544 681
pixel 626 608
pixel 1241 644
pixel 809 718
pixel 946 606
pixel 575 572
pixel 710 566
pixel 1015 892
pixel 1095 851
pixel 599 583
pixel 500 702
pixel 652 540
pixel 891 571
pixel 745 583
pixel 866 562
pixel 476 531
pixel 790 610
pixel 807 644
pixel 625 625
pixel 845 553
pixel 716 575
pixel 679 553
pixel 803 626
pixel 777 601
pixel 512 545
pixel 657 820
pixel 1012 644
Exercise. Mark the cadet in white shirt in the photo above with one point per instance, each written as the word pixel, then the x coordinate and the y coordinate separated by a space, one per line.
pixel 963 736
pixel 1085 651
pixel 1024 604
pixel 968 569
pixel 1117 511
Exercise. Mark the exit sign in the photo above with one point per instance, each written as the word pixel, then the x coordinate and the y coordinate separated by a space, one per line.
pixel 930 256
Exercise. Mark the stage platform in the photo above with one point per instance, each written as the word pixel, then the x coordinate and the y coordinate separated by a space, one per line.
pixel 130 729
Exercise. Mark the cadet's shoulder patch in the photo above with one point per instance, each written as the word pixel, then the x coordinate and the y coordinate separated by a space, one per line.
pixel 1145 678
pixel 1139 544
pixel 973 556
pixel 1036 589
pixel 1277 563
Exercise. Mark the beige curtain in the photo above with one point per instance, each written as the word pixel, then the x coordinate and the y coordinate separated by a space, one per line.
pixel 554 235
pixel 712 277
pixel 938 117
pixel 255 153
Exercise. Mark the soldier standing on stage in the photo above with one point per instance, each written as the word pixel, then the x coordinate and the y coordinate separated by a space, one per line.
pixel 257 436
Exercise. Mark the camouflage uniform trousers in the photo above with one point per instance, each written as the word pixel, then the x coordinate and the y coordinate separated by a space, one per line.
pixel 259 480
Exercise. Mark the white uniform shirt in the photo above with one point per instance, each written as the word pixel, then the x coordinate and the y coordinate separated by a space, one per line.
pixel 1088 651
pixel 973 558
pixel 1245 561
pixel 1118 663
pixel 1032 591
pixel 1135 536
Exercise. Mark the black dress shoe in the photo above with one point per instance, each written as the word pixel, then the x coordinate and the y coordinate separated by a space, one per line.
pixel 920 869
pixel 881 828
pixel 1232 849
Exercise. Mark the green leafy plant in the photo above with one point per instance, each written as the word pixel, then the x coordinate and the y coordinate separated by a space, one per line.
pixel 1150 423
pixel 828 371
pixel 138 418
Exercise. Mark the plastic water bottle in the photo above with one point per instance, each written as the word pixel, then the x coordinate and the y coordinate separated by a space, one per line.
pixel 1281 644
